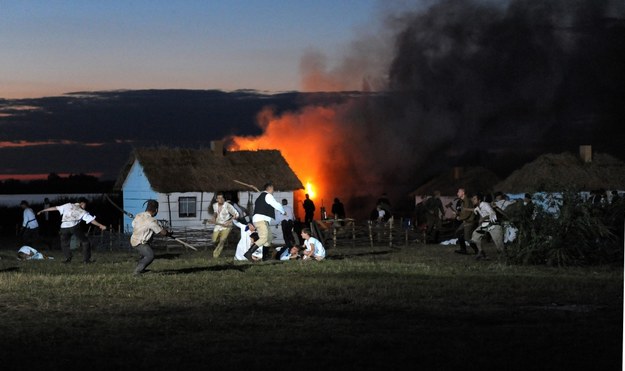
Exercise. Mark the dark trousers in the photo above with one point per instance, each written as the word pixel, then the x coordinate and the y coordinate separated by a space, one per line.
pixel 29 235
pixel 66 236
pixel 147 257
pixel 463 233
pixel 287 233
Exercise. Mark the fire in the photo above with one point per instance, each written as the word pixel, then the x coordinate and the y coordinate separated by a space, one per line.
pixel 310 189
pixel 327 147
pixel 308 140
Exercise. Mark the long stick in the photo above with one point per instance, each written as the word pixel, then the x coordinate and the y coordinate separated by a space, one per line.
pixel 184 243
pixel 245 184
pixel 118 208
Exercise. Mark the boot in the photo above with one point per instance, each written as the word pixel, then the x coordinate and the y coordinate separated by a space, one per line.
pixel 474 247
pixel 462 250
pixel 462 247
pixel 248 253
pixel 481 255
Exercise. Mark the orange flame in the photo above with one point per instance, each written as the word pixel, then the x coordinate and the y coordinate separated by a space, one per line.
pixel 310 189
pixel 308 140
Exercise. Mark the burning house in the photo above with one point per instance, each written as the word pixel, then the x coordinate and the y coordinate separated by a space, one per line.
pixel 184 181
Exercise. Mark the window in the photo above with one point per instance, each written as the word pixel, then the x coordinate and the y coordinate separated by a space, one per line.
pixel 186 207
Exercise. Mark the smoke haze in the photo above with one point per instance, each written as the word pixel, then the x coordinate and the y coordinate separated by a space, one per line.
pixel 460 83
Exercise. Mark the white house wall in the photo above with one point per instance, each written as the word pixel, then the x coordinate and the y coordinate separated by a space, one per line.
pixel 169 209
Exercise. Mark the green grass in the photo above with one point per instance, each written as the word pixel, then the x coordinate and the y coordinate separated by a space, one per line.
pixel 420 306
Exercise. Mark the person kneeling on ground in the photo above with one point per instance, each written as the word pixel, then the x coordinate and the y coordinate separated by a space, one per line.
pixel 314 247
pixel 28 253
pixel 257 255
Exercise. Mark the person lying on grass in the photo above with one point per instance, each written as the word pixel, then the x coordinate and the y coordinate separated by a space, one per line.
pixel 314 247
pixel 284 253
pixel 28 253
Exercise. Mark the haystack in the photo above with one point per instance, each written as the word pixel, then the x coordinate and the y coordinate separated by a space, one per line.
pixel 566 171
pixel 472 179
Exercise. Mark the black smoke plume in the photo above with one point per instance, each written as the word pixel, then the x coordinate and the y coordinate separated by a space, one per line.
pixel 486 83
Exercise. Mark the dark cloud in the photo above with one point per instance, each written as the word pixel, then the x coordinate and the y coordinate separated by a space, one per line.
pixel 122 119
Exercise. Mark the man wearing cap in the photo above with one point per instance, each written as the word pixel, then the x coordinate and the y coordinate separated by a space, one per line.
pixel 71 216
pixel 265 208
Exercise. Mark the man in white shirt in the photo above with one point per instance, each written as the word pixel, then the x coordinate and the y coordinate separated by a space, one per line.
pixel 265 208
pixel 144 227
pixel 223 215
pixel 286 223
pixel 30 227
pixel 71 216
pixel 487 223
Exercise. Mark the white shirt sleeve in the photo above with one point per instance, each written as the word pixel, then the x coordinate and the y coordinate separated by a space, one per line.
pixel 275 204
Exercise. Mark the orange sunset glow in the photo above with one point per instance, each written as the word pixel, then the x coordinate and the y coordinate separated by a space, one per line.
pixel 41 176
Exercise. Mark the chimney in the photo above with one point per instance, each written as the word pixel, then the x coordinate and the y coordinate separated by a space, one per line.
pixel 217 147
pixel 585 153
pixel 456 173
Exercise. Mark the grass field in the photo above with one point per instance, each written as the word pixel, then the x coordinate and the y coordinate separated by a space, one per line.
pixel 417 307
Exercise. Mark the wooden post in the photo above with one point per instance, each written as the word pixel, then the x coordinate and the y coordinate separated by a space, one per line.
pixel 390 232
pixel 334 233
pixel 406 235
pixel 370 235
pixel 111 239
pixel 353 233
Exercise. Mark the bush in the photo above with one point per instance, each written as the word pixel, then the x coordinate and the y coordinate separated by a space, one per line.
pixel 568 231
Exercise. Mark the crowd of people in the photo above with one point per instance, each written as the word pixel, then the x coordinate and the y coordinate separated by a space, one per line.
pixel 495 217
pixel 476 219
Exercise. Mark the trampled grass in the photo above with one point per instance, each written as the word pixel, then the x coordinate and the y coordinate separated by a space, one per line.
pixel 418 306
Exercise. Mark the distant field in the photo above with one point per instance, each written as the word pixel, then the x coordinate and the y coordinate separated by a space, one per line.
pixel 417 307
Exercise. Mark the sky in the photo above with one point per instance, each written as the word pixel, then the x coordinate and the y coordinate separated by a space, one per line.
pixel 50 47
pixel 445 83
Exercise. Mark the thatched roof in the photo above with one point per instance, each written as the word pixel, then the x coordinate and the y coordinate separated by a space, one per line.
pixel 566 171
pixel 190 170
pixel 473 179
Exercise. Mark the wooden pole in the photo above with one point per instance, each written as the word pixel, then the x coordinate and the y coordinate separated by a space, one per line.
pixel 390 232
pixel 406 235
pixel 370 235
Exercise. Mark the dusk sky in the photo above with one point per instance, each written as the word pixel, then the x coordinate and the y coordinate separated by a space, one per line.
pixel 50 47
pixel 443 83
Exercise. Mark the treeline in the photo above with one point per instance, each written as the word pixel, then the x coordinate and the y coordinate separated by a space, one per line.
pixel 74 183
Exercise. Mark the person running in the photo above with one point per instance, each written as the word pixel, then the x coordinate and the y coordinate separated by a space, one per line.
pixel 223 215
pixel 144 227
pixel 71 216
pixel 265 208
